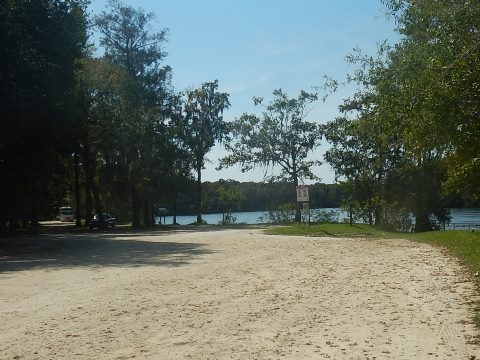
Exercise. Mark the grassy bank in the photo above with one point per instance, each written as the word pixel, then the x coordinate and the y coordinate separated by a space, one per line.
pixel 333 230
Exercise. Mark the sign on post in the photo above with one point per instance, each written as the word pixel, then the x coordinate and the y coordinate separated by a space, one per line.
pixel 302 193
pixel 302 197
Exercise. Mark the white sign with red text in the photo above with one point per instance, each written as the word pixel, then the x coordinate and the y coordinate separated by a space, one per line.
pixel 302 193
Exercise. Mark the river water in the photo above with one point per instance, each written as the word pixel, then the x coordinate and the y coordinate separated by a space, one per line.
pixel 463 219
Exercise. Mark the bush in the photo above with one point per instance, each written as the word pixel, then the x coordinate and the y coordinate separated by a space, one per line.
pixel 324 216
pixel 285 214
pixel 228 219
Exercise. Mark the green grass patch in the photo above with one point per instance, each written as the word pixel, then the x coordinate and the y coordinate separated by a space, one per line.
pixel 333 230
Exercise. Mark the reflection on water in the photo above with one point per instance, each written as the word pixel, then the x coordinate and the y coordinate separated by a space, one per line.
pixel 461 218
pixel 252 217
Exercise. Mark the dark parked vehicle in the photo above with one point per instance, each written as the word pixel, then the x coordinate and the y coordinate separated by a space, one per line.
pixel 107 218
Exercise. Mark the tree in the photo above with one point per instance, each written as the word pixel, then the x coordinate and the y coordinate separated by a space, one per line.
pixel 42 42
pixel 436 67
pixel 180 160
pixel 202 125
pixel 358 154
pixel 102 90
pixel 280 137
pixel 421 94
pixel 128 41
pixel 230 197
pixel 140 120
pixel 385 180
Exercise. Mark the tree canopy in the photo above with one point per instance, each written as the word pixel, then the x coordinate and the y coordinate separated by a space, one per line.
pixel 110 133
pixel 419 105
pixel 279 137
pixel 201 125
pixel 42 42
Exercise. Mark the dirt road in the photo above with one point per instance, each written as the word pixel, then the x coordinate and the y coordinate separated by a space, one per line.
pixel 231 294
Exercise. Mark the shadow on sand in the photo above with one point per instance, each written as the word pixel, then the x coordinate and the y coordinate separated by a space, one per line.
pixel 56 251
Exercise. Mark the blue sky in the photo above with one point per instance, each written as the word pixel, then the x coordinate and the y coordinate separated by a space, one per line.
pixel 255 46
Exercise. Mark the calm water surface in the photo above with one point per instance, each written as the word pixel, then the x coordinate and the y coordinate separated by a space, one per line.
pixel 465 218
pixel 461 218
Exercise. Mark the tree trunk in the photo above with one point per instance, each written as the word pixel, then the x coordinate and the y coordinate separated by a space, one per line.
pixel 378 215
pixel 298 215
pixel 199 190
pixel 34 211
pixel 90 188
pixel 98 204
pixel 148 218
pixel 145 210
pixel 422 222
pixel 78 213
pixel 370 210
pixel 88 184
pixel 350 213
pixel 146 214
pixel 87 166
pixel 135 208
pixel 175 208
pixel 96 195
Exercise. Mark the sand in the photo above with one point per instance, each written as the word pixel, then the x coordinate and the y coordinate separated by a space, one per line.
pixel 231 294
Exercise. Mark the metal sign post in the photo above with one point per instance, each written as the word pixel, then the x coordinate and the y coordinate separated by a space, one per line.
pixel 306 212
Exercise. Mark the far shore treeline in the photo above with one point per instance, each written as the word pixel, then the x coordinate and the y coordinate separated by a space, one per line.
pixel 261 196
pixel 255 196
pixel 110 133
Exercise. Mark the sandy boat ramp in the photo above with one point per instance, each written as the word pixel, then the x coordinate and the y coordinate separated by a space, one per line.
pixel 231 294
